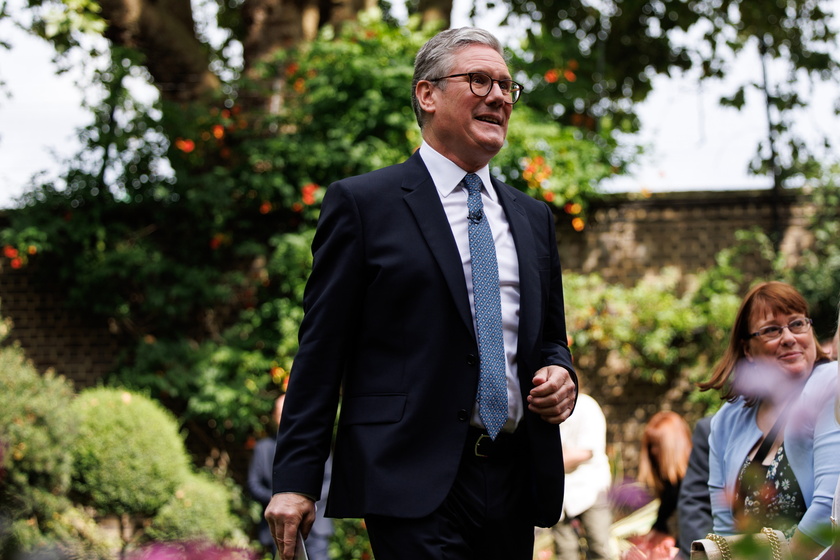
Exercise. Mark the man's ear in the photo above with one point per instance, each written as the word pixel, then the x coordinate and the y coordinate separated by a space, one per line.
pixel 424 90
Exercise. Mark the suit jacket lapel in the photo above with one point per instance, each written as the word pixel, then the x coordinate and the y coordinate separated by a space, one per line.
pixel 424 202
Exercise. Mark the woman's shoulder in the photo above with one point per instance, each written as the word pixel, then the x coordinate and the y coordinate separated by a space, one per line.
pixel 824 374
pixel 822 384
pixel 731 415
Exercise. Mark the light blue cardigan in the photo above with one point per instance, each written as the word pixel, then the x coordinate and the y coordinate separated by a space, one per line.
pixel 812 445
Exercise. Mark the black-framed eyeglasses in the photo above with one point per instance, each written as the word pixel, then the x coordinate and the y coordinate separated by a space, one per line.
pixel 481 85
pixel 772 332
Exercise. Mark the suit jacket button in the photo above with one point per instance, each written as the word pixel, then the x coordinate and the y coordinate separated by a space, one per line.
pixel 463 415
pixel 472 359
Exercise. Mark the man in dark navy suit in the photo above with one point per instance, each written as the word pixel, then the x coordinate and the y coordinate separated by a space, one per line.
pixel 444 338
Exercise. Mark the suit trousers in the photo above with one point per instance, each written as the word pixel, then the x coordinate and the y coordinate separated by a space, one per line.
pixel 485 516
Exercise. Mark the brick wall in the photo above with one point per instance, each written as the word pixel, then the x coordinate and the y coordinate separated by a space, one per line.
pixel 77 346
pixel 625 238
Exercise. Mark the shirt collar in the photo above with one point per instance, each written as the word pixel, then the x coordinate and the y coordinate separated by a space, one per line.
pixel 447 176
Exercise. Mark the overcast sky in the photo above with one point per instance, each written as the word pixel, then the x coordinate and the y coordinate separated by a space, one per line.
pixel 694 144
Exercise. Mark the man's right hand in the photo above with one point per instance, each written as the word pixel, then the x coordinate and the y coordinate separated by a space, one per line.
pixel 285 514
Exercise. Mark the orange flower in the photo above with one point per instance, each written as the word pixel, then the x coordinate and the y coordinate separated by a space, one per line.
pixel 185 145
pixel 10 252
pixel 577 224
pixel 292 68
pixel 216 241
pixel 218 131
pixel 32 249
pixel 569 75
pixel 548 196
pixel 552 76
pixel 297 207
pixel 300 85
pixel 265 207
pixel 16 263
pixel 308 193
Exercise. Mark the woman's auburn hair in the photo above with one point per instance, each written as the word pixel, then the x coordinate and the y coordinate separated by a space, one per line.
pixel 776 297
pixel 667 464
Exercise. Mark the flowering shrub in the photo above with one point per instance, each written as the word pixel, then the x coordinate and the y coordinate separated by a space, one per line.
pixel 189 550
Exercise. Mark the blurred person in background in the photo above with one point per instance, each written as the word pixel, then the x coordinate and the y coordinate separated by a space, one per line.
pixel 260 486
pixel 694 508
pixel 774 445
pixel 588 479
pixel 663 460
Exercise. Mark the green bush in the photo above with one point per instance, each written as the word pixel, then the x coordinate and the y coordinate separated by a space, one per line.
pixel 350 540
pixel 130 457
pixel 38 430
pixel 198 510
pixel 659 327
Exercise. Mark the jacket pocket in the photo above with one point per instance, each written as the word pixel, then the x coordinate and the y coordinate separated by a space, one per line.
pixel 373 409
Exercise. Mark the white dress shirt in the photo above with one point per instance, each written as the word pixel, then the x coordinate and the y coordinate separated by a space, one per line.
pixel 453 195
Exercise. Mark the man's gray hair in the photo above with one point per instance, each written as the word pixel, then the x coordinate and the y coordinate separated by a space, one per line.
pixel 436 58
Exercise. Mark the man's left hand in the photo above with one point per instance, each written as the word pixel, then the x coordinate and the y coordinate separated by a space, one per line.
pixel 553 396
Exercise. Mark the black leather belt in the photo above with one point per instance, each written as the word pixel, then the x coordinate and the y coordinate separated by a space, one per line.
pixel 480 445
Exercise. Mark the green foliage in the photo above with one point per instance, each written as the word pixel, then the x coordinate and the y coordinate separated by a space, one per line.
pixel 659 327
pixel 350 540
pixel 551 162
pixel 198 510
pixel 129 457
pixel 347 109
pixel 814 269
pixel 589 64
pixel 68 460
pixel 817 270
pixel 38 430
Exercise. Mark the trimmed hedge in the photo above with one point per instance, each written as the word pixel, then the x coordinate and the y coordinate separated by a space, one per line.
pixel 130 458
pixel 38 431
pixel 198 510
pixel 67 461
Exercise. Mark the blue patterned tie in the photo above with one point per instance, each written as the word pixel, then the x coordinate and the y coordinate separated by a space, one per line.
pixel 492 383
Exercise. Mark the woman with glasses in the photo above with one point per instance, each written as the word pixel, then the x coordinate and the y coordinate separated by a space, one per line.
pixel 774 447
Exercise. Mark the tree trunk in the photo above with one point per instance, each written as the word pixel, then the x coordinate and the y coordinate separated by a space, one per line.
pixel 435 12
pixel 164 32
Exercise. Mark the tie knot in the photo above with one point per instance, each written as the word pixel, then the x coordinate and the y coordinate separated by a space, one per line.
pixel 473 182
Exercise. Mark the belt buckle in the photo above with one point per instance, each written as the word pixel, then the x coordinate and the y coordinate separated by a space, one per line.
pixel 478 444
